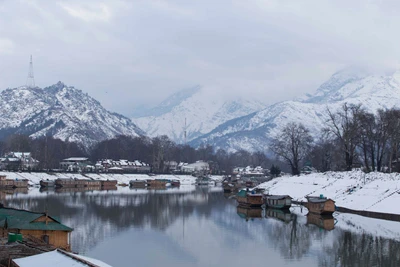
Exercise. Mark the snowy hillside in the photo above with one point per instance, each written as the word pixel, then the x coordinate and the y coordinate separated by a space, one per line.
pixel 202 110
pixel 61 111
pixel 254 131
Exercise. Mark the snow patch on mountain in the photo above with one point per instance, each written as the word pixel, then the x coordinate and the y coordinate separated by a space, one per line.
pixel 60 111
pixel 254 132
pixel 200 108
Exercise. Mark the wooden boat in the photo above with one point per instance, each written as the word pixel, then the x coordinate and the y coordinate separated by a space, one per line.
pixel 157 183
pixel 71 183
pixel 175 183
pixel 10 183
pixel 280 214
pixel 108 183
pixel 278 201
pixel 246 198
pixel 47 183
pixel 320 205
pixel 137 183
pixel 248 212
pixel 326 222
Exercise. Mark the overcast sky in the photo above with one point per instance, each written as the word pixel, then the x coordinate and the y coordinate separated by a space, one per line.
pixel 137 52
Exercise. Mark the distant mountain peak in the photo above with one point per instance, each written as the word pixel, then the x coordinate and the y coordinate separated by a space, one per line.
pixel 61 111
pixel 200 107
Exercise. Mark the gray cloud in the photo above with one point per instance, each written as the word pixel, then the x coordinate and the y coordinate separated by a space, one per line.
pixel 130 53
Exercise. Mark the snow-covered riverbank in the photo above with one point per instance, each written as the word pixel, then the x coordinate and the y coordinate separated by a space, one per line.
pixel 35 177
pixel 379 192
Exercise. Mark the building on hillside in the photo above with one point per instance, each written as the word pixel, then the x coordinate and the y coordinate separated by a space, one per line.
pixel 200 167
pixel 122 165
pixel 18 161
pixel 35 224
pixel 57 258
pixel 74 164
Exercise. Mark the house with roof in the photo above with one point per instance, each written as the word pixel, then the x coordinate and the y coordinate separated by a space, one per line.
pixel 18 161
pixel 37 225
pixel 122 165
pixel 74 164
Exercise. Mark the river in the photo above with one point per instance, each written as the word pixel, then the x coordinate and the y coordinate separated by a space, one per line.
pixel 202 226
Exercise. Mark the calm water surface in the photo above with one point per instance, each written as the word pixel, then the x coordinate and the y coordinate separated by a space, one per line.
pixel 197 226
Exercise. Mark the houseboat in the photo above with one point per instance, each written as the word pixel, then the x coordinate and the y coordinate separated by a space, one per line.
pixel 283 215
pixel 159 183
pixel 10 183
pixel 248 199
pixel 320 205
pixel 326 222
pixel 248 213
pixel 108 183
pixel 233 186
pixel 138 183
pixel 62 182
pixel 278 201
pixel 47 183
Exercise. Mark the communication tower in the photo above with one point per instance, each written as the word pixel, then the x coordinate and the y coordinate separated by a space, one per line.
pixel 30 81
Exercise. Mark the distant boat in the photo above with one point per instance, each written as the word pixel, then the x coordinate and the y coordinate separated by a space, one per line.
pixel 175 183
pixel 320 205
pixel 278 201
pixel 157 183
pixel 246 198
pixel 47 183
pixel 137 183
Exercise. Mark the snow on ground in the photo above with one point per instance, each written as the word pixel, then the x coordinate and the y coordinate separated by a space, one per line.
pixel 354 190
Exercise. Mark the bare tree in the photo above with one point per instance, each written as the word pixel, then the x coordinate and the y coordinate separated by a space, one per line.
pixel 344 126
pixel 293 144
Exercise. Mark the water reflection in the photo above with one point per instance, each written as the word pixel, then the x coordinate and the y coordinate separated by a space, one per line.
pixel 193 226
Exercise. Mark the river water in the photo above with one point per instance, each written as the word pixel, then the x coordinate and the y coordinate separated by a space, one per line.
pixel 202 226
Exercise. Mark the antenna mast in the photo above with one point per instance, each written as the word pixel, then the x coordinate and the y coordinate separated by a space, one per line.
pixel 30 81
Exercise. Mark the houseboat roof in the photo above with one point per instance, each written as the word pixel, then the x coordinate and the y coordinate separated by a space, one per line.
pixel 25 220
pixel 59 258
pixel 318 199
pixel 277 197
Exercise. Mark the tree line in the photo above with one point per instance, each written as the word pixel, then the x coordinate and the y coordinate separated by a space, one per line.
pixel 352 137
pixel 157 151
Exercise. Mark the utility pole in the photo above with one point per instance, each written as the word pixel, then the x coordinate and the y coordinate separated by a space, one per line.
pixel 30 81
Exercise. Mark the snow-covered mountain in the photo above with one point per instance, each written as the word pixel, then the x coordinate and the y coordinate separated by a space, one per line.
pixel 254 131
pixel 202 109
pixel 60 111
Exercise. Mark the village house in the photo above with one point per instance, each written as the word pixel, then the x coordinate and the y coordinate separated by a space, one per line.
pixel 122 165
pixel 74 164
pixel 34 224
pixel 18 161
pixel 197 167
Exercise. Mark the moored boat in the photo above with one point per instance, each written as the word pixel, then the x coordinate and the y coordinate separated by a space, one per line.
pixel 320 205
pixel 175 183
pixel 108 183
pixel 246 198
pixel 137 183
pixel 278 201
pixel 157 183
pixel 47 183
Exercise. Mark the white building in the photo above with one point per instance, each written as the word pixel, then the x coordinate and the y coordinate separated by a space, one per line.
pixel 18 160
pixel 198 166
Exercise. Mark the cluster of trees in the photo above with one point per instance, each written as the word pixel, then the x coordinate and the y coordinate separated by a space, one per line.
pixel 155 151
pixel 352 137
